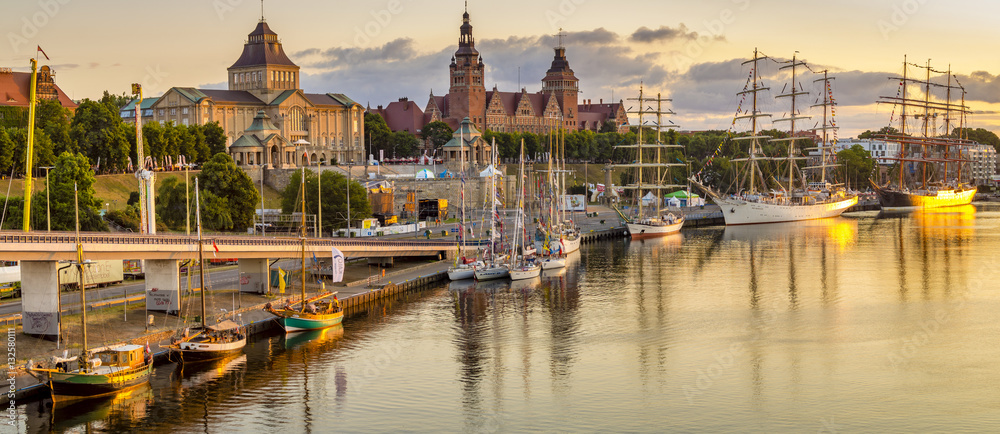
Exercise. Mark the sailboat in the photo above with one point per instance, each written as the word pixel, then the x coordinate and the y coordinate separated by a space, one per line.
pixel 555 236
pixel 658 223
pixel 207 342
pixel 463 268
pixel 103 373
pixel 494 267
pixel 314 313
pixel 755 202
pixel 942 187
pixel 523 267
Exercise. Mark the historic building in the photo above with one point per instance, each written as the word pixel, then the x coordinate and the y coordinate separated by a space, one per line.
pixel 556 105
pixel 469 141
pixel 15 88
pixel 264 97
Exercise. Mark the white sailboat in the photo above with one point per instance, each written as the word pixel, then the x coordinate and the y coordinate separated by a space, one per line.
pixel 657 223
pixel 556 236
pixel 757 202
pixel 494 266
pixel 462 268
pixel 524 267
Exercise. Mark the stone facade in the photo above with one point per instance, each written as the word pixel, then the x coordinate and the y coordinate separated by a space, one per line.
pixel 319 127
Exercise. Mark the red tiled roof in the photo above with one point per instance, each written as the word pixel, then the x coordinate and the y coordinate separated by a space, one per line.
pixel 14 90
pixel 403 116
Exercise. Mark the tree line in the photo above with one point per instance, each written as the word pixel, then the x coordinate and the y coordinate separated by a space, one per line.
pixel 97 131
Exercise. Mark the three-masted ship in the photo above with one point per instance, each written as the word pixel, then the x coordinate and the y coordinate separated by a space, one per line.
pixel 928 166
pixel 762 198
pixel 655 222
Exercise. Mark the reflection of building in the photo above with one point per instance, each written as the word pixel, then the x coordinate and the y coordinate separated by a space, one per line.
pixel 541 112
pixel 325 127
pixel 15 88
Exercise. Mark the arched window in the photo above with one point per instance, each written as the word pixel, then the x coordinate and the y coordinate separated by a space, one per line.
pixel 298 120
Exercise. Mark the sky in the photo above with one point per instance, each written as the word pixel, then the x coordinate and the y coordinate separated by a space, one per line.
pixel 377 51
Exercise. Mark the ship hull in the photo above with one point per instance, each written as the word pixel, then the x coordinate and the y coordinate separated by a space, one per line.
pixel 461 273
pixel 490 273
pixel 521 273
pixel 898 201
pixel 74 386
pixel 741 212
pixel 200 351
pixel 641 231
pixel 312 322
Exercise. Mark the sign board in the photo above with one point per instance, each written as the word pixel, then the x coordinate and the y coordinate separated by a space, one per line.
pixel 163 300
pixel 574 202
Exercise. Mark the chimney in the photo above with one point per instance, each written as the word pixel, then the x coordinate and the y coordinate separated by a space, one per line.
pixel 602 100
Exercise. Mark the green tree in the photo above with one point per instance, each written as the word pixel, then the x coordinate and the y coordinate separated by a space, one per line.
pixel 855 166
pixel 115 103
pixel 215 138
pixel 334 201
pixel 70 169
pixel 54 119
pixel 100 135
pixel 979 135
pixel 437 133
pixel 171 204
pixel 42 149
pixel 609 126
pixel 404 144
pixel 6 153
pixel 377 133
pixel 233 188
pixel 153 141
pixel 869 134
pixel 198 150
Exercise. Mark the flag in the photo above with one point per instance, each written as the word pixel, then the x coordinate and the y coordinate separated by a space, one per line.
pixel 43 52
pixel 281 281
pixel 147 348
pixel 216 253
pixel 337 266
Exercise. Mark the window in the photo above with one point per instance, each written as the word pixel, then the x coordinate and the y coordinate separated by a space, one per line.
pixel 173 112
pixel 161 112
pixel 184 111
pixel 184 121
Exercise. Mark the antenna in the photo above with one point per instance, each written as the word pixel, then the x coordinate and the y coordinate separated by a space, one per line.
pixel 560 36
pixel 262 10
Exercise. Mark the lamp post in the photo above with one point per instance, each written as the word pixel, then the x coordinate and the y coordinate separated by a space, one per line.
pixel 350 164
pixel 48 214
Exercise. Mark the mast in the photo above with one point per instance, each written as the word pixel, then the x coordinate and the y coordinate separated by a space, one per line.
pixel 201 253
pixel 826 149
pixel 927 120
pixel 794 93
pixel 493 199
pixel 902 128
pixel 30 156
pixel 79 267
pixel 303 222
pixel 640 163
pixel 753 87
pixel 461 174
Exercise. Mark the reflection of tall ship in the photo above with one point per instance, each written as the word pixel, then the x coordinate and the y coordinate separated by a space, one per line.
pixel 655 222
pixel 934 162
pixel 761 197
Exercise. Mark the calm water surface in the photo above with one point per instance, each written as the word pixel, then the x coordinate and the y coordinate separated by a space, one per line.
pixel 851 324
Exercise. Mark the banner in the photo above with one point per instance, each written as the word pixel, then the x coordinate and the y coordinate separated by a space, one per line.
pixel 337 266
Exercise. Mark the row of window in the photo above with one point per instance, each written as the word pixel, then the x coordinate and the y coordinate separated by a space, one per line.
pixel 255 77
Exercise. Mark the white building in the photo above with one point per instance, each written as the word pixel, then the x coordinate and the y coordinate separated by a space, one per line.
pixel 982 162
pixel 880 149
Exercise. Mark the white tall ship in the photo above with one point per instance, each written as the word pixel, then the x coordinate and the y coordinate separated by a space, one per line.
pixel 763 198
pixel 651 221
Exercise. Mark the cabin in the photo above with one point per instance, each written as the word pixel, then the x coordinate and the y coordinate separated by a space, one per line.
pixel 127 356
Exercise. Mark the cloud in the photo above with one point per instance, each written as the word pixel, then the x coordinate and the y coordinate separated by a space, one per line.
pixel 667 33
pixel 981 86
pixel 395 50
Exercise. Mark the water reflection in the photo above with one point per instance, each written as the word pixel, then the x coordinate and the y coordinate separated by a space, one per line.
pixel 111 414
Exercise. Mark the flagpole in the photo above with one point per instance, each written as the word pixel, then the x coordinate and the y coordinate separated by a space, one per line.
pixel 31 140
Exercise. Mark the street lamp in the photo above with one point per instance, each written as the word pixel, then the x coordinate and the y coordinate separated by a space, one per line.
pixel 48 214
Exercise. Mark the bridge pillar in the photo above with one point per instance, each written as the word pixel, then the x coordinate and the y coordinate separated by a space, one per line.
pixel 387 261
pixel 40 298
pixel 163 291
pixel 254 276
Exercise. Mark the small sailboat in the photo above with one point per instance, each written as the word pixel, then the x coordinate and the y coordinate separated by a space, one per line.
pixel 105 372
pixel 523 267
pixel 463 268
pixel 207 342
pixel 314 313
pixel 494 266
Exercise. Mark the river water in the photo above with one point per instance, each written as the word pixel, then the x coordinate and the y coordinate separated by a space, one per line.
pixel 861 323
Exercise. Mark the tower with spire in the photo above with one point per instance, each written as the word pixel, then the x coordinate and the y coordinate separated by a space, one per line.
pixel 561 83
pixel 263 69
pixel 467 92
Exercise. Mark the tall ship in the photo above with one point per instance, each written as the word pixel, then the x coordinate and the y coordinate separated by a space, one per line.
pixel 760 196
pixel 929 167
pixel 650 220
pixel 556 235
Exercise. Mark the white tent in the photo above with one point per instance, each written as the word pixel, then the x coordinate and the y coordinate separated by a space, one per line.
pixel 424 174
pixel 489 172
pixel 648 199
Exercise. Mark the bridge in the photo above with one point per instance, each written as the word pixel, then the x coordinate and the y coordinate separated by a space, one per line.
pixel 39 254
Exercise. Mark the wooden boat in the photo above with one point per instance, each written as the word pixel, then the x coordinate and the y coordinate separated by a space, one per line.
pixel 105 372
pixel 207 342
pixel 313 314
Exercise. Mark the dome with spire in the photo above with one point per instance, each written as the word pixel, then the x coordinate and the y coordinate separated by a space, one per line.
pixel 262 48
